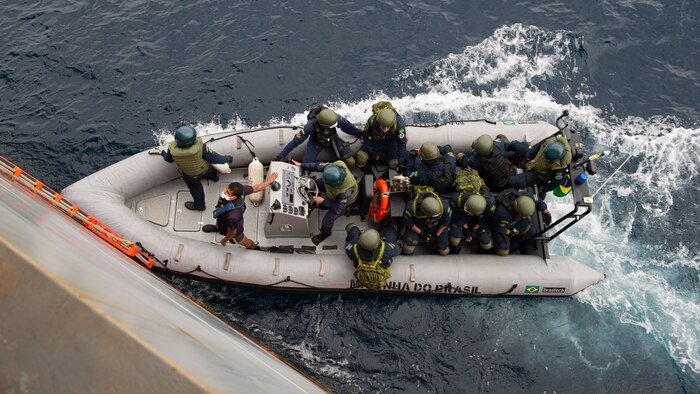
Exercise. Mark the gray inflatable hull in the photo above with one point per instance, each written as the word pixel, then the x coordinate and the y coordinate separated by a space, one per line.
pixel 142 199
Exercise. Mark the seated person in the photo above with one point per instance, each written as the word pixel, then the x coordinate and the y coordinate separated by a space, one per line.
pixel 384 137
pixel 371 253
pixel 340 190
pixel 512 221
pixel 321 128
pixel 434 166
pixel 471 218
pixel 489 158
pixel 426 218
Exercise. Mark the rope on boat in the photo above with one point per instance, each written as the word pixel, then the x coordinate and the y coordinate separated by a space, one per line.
pixel 131 249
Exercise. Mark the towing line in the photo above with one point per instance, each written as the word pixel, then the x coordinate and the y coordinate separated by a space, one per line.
pixel 55 199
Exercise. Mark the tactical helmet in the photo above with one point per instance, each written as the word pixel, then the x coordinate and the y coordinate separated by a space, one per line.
pixel 524 206
pixel 333 175
pixel 430 206
pixel 429 151
pixel 554 151
pixel 327 118
pixel 483 145
pixel 369 240
pixel 185 136
pixel 475 204
pixel 386 117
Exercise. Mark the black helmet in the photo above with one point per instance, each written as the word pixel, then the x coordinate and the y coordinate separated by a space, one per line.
pixel 475 204
pixel 333 175
pixel 327 118
pixel 554 151
pixel 369 240
pixel 483 145
pixel 429 151
pixel 185 136
pixel 524 206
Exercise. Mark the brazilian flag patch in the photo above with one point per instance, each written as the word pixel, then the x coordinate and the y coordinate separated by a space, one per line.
pixel 530 289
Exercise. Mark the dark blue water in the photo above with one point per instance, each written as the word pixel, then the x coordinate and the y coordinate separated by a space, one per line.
pixel 85 84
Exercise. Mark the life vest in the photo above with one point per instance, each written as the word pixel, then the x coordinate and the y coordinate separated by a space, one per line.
pixel 495 169
pixel 540 162
pixel 369 272
pixel 507 197
pixel 223 206
pixel 440 183
pixel 421 192
pixel 349 182
pixel 321 134
pixel 189 160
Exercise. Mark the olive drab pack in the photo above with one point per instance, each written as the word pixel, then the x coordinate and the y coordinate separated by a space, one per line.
pixel 468 181
pixel 378 107
pixel 370 272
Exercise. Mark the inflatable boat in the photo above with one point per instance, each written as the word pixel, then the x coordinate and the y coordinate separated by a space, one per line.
pixel 142 198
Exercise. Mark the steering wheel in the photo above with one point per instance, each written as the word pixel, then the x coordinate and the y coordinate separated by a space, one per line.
pixel 308 189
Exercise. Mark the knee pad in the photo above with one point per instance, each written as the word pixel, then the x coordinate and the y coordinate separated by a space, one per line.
pixel 455 241
pixel 502 252
pixel 444 252
pixel 362 158
pixel 350 162
pixel 408 249
pixel 487 246
pixel 393 164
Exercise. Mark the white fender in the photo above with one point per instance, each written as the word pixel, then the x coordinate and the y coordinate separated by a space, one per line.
pixel 256 174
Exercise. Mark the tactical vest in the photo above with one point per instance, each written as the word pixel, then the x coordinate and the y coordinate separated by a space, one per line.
pixel 189 159
pixel 495 169
pixel 441 183
pixel 507 198
pixel 349 182
pixel 540 162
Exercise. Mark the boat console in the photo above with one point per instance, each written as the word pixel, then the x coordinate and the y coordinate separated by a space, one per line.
pixel 288 205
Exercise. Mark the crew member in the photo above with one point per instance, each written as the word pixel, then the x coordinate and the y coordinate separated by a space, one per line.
pixel 489 158
pixel 512 223
pixel 322 134
pixel 471 219
pixel 371 253
pixel 426 218
pixel 384 137
pixel 548 165
pixel 194 160
pixel 434 166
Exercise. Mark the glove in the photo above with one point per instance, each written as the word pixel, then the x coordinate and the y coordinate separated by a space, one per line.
pixel 428 238
pixel 229 159
pixel 460 156
pixel 349 226
pixel 547 217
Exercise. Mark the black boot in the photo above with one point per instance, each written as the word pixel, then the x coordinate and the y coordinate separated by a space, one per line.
pixel 318 238
pixel 190 205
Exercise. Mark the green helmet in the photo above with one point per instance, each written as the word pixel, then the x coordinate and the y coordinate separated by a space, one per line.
pixel 430 206
pixel 429 151
pixel 369 240
pixel 483 145
pixel 554 151
pixel 327 118
pixel 333 175
pixel 386 117
pixel 185 136
pixel 475 204
pixel 524 206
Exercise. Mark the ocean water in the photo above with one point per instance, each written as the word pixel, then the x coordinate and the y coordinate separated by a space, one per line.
pixel 84 84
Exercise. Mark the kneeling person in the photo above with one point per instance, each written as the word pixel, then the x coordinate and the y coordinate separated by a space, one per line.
pixel 512 223
pixel 470 220
pixel 229 212
pixel 371 253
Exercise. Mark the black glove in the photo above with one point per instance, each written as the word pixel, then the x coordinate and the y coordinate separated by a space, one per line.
pixel 229 159
pixel 547 217
pixel 428 238
pixel 277 158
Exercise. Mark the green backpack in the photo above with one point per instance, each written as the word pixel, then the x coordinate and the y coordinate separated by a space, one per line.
pixel 468 181
pixel 378 107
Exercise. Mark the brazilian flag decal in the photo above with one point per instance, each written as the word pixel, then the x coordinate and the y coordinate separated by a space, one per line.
pixel 510 122
pixel 530 289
